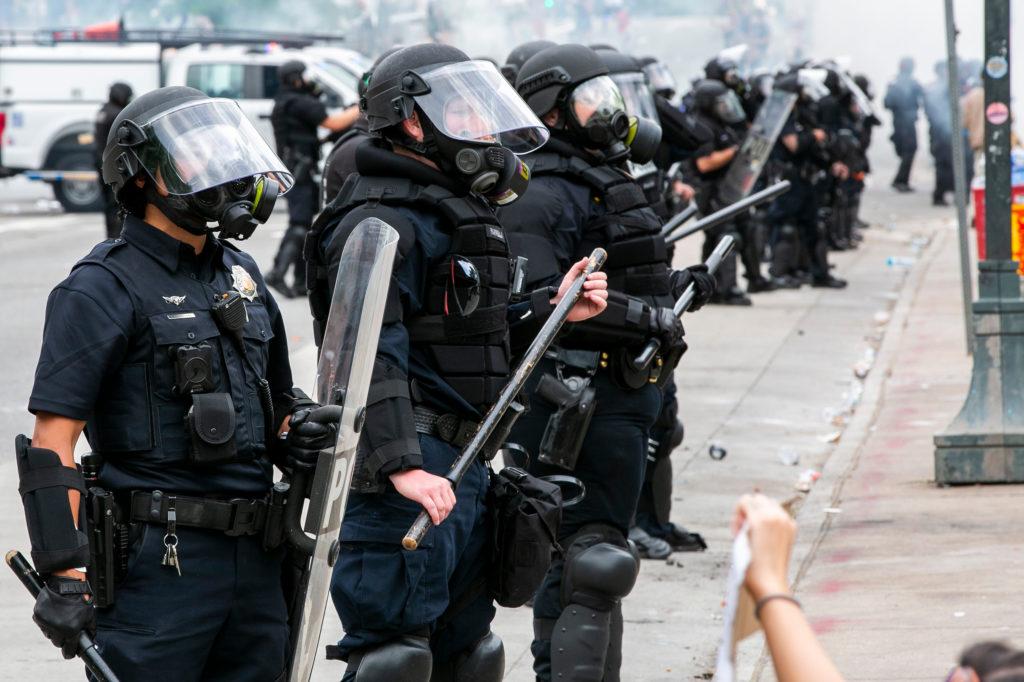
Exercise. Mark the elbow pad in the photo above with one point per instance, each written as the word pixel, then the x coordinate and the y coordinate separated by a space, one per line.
pixel 624 322
pixel 43 482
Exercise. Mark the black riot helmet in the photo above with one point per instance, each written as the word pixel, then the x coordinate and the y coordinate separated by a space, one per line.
pixel 714 99
pixel 291 71
pixel 202 161
pixel 364 80
pixel 573 80
pixel 120 94
pixel 473 122
pixel 518 56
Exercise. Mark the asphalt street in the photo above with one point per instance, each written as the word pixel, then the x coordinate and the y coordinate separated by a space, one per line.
pixel 770 384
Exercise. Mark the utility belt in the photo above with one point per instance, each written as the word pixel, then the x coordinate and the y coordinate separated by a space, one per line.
pixel 115 518
pixel 618 363
pixel 457 431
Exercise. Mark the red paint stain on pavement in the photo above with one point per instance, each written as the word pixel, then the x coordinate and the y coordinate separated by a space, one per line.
pixel 824 625
pixel 831 587
pixel 840 556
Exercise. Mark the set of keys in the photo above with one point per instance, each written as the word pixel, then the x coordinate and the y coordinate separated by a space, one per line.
pixel 171 540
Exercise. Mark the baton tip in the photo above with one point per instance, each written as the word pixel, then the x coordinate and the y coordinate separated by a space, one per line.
pixel 409 543
pixel 10 556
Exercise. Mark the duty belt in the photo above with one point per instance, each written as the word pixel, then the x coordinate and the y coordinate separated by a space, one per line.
pixel 450 428
pixel 239 516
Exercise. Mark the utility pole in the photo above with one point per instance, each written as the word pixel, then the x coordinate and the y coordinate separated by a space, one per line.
pixel 985 442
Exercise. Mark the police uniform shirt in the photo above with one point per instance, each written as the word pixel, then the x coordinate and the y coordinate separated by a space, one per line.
pixel 309 110
pixel 95 335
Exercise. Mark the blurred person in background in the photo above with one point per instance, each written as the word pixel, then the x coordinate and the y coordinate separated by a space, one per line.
pixel 120 96
pixel 903 98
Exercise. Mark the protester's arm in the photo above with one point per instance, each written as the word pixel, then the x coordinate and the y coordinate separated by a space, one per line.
pixel 796 652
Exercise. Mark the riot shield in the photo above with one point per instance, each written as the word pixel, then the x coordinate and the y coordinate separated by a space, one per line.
pixel 746 167
pixel 342 382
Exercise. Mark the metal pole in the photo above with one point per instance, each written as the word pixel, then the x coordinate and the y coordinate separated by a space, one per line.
pixel 959 179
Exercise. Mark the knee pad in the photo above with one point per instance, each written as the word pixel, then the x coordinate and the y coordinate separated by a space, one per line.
pixel 485 662
pixel 405 658
pixel 601 568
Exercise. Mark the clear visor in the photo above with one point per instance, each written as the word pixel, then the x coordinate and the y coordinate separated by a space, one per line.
pixel 472 101
pixel 728 108
pixel 861 99
pixel 203 144
pixel 637 95
pixel 660 77
pixel 596 99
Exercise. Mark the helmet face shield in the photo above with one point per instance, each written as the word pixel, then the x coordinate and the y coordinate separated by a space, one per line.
pixel 812 83
pixel 472 102
pixel 596 100
pixel 728 108
pixel 637 95
pixel 203 144
pixel 659 76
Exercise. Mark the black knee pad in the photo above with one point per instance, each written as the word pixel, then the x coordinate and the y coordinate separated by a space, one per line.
pixel 485 662
pixel 601 567
pixel 405 658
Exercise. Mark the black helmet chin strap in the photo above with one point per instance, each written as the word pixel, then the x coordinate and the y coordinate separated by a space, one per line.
pixel 176 209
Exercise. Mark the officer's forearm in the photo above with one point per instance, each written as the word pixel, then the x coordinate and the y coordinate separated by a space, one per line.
pixel 60 434
pixel 715 160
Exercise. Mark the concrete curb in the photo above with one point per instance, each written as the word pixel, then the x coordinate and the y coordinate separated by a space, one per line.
pixel 843 460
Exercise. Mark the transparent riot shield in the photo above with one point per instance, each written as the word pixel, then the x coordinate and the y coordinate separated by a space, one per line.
pixel 757 146
pixel 342 382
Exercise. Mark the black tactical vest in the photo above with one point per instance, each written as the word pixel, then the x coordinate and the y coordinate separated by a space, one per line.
pixel 470 353
pixel 628 230
pixel 295 139
pixel 138 416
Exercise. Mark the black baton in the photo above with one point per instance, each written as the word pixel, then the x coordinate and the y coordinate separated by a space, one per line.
pixel 731 211
pixel 86 647
pixel 682 304
pixel 678 219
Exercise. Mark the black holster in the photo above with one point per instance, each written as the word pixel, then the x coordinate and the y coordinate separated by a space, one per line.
pixel 109 539
pixel 574 401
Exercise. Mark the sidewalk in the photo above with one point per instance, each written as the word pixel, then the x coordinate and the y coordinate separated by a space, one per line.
pixel 907 574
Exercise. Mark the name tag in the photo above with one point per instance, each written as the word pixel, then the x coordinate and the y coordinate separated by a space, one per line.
pixel 180 316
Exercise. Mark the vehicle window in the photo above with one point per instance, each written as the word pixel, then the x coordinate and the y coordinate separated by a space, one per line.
pixel 217 80
pixel 265 83
pixel 343 75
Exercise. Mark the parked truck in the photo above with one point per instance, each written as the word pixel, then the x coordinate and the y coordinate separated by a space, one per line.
pixel 52 86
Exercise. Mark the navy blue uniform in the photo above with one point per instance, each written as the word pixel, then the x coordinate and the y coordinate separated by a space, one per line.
pixel 111 329
pixel 903 98
pixel 380 590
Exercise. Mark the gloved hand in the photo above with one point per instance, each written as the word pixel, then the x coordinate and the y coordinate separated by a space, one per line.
pixel 666 327
pixel 307 438
pixel 62 613
pixel 704 283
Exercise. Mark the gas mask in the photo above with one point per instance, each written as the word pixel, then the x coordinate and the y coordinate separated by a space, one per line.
pixel 237 207
pixel 490 171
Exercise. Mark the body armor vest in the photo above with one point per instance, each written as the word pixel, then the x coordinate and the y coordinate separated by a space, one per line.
pixel 139 419
pixel 471 353
pixel 628 230
pixel 297 142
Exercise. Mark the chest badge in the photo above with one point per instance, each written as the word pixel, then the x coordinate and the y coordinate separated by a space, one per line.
pixel 243 283
pixel 175 300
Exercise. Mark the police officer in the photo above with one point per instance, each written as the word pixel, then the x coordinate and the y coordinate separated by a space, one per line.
pixel 591 411
pixel 166 348
pixel 519 54
pixel 719 110
pixel 297 114
pixel 799 251
pixel 902 98
pixel 447 132
pixel 120 95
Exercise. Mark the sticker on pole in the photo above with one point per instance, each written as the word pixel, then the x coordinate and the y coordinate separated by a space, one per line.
pixel 997 113
pixel 996 67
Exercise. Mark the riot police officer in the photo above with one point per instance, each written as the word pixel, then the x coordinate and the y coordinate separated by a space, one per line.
pixel 297 114
pixel 447 132
pixel 166 348
pixel 591 411
pixel 120 95
pixel 519 54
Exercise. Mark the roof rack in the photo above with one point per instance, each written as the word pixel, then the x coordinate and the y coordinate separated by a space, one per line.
pixel 114 32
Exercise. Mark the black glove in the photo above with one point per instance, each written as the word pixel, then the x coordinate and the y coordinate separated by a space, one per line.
pixel 704 284
pixel 307 438
pixel 667 328
pixel 62 613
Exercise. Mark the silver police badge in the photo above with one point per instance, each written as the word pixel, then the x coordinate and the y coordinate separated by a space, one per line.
pixel 243 282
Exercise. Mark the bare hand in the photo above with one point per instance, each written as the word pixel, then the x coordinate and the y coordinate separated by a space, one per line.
pixel 433 493
pixel 682 190
pixel 819 135
pixel 772 532
pixel 595 292
pixel 840 170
